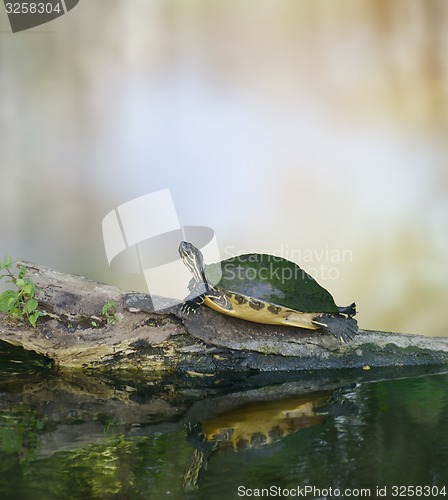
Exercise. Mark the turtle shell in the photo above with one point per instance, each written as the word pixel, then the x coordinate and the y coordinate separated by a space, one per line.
pixel 272 279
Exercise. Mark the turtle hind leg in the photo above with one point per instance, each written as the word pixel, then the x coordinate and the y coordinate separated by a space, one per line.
pixel 348 310
pixel 344 329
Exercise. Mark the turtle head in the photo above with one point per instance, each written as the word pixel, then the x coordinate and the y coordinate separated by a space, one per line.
pixel 193 259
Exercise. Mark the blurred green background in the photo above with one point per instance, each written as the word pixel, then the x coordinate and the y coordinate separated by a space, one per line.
pixel 312 129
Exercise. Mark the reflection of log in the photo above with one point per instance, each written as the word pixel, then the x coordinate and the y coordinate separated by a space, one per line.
pixel 74 334
pixel 77 408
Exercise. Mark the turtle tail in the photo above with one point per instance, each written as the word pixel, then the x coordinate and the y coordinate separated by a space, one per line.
pixel 348 310
pixel 344 329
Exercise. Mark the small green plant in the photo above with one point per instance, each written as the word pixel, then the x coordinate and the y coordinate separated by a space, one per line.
pixel 20 303
pixel 110 312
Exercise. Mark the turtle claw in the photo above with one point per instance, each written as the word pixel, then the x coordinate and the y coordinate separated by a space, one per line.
pixel 192 303
pixel 185 308
pixel 191 306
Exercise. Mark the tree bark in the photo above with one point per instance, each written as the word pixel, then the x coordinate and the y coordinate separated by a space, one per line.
pixel 74 333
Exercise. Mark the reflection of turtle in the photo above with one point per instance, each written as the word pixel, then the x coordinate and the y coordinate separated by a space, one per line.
pixel 265 289
pixel 250 426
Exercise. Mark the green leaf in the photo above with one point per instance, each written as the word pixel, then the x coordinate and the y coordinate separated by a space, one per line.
pixel 16 313
pixel 33 318
pixel 31 305
pixel 19 302
pixel 12 302
pixel 22 271
pixel 4 300
pixel 7 263
pixel 109 308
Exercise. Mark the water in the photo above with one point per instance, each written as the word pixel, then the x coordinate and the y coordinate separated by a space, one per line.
pixel 77 436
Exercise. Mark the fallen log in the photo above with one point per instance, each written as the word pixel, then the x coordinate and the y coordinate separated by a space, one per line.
pixel 74 333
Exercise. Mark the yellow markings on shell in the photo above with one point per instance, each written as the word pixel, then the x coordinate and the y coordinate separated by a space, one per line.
pixel 261 312
pixel 271 419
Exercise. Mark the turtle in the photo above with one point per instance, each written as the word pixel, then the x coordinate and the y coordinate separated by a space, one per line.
pixel 250 426
pixel 265 289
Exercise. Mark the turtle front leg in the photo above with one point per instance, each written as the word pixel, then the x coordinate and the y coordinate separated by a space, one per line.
pixel 195 299
pixel 192 305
